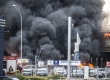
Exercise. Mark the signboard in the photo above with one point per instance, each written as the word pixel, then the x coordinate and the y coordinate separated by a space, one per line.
pixel 65 62
pixel 23 60
pixel 56 62
pixel 108 63
pixel 50 62
pixel 76 56
pixel 62 62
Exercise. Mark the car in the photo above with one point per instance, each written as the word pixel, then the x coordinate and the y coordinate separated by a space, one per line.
pixel 95 73
pixel 42 72
pixel 28 70
pixel 102 70
pixel 78 73
pixel 8 78
pixel 61 71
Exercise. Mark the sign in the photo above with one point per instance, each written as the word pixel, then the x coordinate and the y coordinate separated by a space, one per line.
pixel 76 47
pixel 108 63
pixel 9 58
pixel 76 56
pixel 50 62
pixel 56 62
pixel 23 60
pixel 63 62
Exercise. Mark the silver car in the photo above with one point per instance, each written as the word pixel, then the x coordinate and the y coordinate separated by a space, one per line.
pixel 78 73
pixel 42 72
pixel 28 70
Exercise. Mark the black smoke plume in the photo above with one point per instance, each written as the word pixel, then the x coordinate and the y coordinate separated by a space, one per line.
pixel 45 24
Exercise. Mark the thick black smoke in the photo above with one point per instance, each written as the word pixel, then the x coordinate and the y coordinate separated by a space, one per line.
pixel 45 24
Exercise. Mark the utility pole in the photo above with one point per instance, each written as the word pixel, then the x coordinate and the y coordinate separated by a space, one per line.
pixel 69 45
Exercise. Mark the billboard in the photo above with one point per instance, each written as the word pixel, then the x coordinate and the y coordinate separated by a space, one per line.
pixel 107 63
pixel 63 62
pixel 23 60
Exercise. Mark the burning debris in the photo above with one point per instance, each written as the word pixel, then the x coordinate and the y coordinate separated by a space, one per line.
pixel 45 24
pixel 83 64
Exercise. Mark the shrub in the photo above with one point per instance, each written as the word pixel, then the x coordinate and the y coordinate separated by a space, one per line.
pixel 54 76
pixel 20 76
pixel 37 78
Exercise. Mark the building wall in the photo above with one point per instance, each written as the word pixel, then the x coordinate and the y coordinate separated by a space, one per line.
pixel 1 49
pixel 2 24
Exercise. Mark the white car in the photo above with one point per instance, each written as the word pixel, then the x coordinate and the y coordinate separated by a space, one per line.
pixel 78 73
pixel 42 72
pixel 95 73
pixel 28 70
pixel 60 71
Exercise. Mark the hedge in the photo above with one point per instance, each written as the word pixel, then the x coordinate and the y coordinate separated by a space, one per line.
pixel 22 77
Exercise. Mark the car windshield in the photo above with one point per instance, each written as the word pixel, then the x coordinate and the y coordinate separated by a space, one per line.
pixel 78 71
pixel 101 69
pixel 59 69
pixel 28 67
pixel 41 70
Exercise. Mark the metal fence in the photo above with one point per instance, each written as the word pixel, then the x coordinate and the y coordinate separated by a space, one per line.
pixel 95 72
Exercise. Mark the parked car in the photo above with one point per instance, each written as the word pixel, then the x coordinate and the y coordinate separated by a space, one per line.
pixel 42 72
pixel 28 70
pixel 102 70
pixel 61 71
pixel 95 73
pixel 78 73
pixel 8 78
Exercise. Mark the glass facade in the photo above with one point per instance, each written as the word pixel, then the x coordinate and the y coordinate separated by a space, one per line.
pixel 1 47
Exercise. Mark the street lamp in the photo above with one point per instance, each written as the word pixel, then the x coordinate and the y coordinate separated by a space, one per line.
pixel 21 30
pixel 69 46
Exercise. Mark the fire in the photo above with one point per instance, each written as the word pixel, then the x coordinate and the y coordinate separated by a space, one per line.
pixel 90 65
pixel 83 64
pixel 106 35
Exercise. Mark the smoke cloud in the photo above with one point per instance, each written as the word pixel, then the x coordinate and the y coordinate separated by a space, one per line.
pixel 45 24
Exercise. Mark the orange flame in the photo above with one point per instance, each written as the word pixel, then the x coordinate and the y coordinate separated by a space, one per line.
pixel 106 35
pixel 82 65
pixel 90 65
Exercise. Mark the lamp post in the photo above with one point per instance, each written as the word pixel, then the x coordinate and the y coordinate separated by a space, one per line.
pixel 69 46
pixel 21 31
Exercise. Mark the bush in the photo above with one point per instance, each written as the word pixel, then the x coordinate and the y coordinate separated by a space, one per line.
pixel 20 76
pixel 54 76
pixel 37 78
